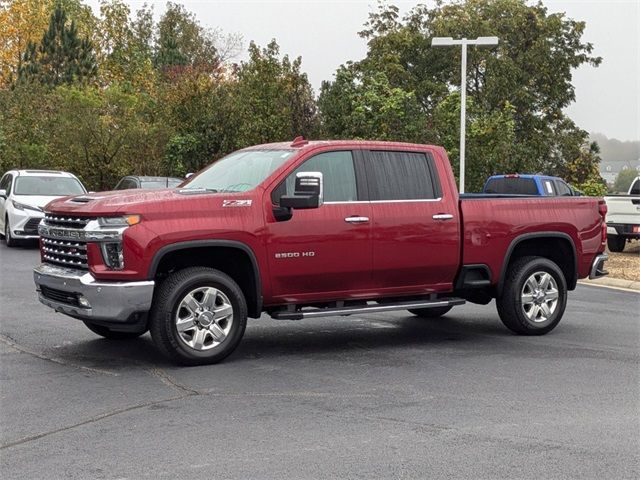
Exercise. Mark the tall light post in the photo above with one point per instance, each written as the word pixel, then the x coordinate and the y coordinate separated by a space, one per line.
pixel 447 42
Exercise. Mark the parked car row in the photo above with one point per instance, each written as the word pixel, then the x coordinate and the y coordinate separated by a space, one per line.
pixel 25 193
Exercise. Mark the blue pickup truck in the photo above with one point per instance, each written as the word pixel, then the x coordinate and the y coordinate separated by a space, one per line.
pixel 522 184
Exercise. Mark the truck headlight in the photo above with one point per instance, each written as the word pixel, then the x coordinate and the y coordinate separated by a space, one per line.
pixel 124 221
pixel 112 255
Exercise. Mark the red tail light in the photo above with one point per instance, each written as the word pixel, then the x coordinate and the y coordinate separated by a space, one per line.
pixel 602 210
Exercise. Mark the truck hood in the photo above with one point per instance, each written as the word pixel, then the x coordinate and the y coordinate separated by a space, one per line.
pixel 138 201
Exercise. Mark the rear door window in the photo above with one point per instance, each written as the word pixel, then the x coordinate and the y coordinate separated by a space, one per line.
pixel 635 188
pixel 563 189
pixel 401 176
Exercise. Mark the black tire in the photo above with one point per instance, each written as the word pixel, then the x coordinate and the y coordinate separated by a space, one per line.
pixel 616 243
pixel 165 307
pixel 9 240
pixel 509 303
pixel 111 334
pixel 430 312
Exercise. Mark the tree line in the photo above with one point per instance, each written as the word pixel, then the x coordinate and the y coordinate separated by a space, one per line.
pixel 120 93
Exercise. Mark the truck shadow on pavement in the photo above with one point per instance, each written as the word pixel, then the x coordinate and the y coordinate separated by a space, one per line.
pixel 282 339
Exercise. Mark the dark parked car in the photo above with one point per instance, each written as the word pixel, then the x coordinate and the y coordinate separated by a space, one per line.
pixel 134 181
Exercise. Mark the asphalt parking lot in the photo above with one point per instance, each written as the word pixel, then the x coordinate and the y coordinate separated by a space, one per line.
pixel 376 396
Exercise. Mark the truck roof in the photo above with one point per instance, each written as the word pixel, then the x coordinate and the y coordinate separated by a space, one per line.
pixel 302 144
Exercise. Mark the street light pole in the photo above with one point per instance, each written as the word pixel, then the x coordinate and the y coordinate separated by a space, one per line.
pixel 463 42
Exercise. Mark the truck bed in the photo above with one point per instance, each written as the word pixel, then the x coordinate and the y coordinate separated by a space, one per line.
pixel 492 222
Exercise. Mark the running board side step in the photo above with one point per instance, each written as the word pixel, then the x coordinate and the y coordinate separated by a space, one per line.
pixel 374 308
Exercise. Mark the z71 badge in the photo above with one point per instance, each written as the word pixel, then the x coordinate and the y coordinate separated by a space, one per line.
pixel 236 203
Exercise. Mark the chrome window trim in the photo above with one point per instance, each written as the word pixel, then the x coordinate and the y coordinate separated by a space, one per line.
pixel 421 200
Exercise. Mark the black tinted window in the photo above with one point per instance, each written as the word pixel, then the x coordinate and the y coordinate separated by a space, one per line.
pixel 563 189
pixel 635 188
pixel 338 173
pixel 401 176
pixel 512 185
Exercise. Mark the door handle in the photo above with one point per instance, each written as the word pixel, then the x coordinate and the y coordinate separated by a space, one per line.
pixel 442 216
pixel 356 219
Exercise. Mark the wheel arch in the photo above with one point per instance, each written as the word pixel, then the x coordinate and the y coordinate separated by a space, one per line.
pixel 234 258
pixel 542 244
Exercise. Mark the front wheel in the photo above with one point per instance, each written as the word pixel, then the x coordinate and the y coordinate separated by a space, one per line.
pixel 112 334
pixel 8 238
pixel 534 296
pixel 430 312
pixel 616 243
pixel 198 316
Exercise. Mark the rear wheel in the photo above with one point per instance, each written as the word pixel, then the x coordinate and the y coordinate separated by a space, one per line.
pixel 534 296
pixel 111 334
pixel 198 316
pixel 430 312
pixel 616 243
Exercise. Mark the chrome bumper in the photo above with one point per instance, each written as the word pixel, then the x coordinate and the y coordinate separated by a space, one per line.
pixel 597 267
pixel 106 301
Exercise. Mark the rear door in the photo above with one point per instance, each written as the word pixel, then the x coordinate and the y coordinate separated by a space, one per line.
pixel 415 230
pixel 323 252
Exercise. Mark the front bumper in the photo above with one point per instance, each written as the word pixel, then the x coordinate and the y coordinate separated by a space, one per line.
pixel 597 267
pixel 24 223
pixel 78 294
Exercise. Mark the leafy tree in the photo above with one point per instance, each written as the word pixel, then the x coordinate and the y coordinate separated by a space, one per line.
pixel 62 57
pixel 118 134
pixel 489 140
pixel 368 107
pixel 529 73
pixel 273 97
pixel 624 180
pixel 22 21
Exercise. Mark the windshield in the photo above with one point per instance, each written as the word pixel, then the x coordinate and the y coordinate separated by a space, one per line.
pixel 240 171
pixel 49 186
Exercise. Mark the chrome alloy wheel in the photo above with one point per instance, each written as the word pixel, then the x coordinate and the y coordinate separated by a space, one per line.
pixel 204 318
pixel 539 297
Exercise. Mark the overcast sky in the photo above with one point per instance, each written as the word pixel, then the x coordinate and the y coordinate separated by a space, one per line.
pixel 324 33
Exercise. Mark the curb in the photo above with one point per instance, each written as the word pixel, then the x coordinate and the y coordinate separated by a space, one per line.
pixel 613 282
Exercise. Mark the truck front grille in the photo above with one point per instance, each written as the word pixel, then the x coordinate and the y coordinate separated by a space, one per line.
pixel 66 221
pixel 64 251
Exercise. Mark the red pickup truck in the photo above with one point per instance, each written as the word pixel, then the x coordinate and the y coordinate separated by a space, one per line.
pixel 309 229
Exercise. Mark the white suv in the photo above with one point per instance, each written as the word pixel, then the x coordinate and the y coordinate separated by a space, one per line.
pixel 23 195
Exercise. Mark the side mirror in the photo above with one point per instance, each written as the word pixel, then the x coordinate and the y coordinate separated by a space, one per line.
pixel 3 193
pixel 188 175
pixel 308 192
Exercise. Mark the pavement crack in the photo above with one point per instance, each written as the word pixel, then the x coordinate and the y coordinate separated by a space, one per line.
pixel 91 420
pixel 171 382
pixel 15 345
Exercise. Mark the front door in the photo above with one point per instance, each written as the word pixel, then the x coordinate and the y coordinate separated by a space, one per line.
pixel 325 252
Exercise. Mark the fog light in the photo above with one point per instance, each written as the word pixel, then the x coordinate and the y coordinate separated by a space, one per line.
pixel 113 256
pixel 83 301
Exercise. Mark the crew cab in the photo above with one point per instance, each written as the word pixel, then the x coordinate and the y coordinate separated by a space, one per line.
pixel 309 229
pixel 623 218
